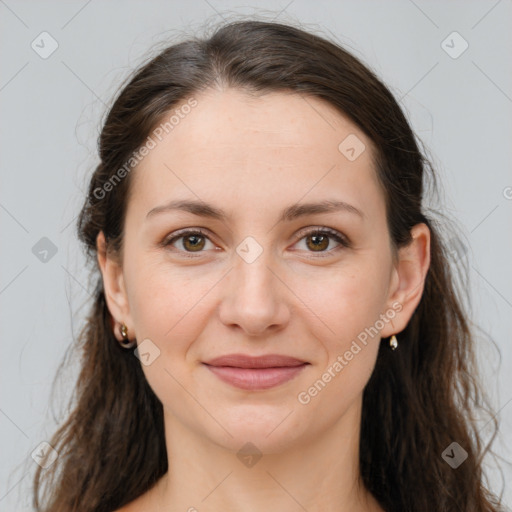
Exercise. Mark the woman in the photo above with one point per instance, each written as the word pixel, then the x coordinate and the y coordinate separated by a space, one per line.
pixel 276 326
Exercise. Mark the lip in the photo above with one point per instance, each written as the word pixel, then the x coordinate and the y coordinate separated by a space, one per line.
pixel 246 361
pixel 253 373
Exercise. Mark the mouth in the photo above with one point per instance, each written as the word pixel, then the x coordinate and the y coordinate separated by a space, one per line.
pixel 255 373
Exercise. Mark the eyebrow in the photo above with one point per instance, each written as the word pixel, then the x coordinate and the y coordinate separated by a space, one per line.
pixel 290 213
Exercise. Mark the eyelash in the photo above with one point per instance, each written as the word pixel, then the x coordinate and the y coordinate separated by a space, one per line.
pixel 332 233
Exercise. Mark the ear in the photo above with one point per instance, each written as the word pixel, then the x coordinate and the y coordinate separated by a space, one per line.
pixel 408 279
pixel 114 286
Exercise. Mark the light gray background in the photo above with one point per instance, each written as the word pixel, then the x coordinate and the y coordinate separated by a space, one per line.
pixel 51 112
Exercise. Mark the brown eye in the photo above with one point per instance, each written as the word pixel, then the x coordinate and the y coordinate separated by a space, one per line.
pixel 192 241
pixel 318 242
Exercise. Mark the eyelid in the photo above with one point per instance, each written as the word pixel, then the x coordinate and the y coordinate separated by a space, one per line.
pixel 339 237
pixel 181 233
pixel 311 230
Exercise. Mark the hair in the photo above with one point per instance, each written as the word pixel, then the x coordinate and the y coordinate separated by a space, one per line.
pixel 419 399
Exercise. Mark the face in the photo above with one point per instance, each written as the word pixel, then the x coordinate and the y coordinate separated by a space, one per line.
pixel 318 286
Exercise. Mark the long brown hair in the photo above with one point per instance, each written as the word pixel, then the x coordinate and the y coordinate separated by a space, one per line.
pixel 420 398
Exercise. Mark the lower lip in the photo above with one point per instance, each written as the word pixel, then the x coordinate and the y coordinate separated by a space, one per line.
pixel 255 378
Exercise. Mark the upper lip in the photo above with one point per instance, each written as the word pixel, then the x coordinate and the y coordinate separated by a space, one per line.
pixel 246 361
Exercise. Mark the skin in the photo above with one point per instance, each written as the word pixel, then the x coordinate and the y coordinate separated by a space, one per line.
pixel 253 156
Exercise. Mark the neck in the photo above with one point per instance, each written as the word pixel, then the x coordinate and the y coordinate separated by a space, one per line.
pixel 317 474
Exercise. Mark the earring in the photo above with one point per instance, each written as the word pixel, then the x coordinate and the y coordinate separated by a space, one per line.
pixel 393 343
pixel 125 342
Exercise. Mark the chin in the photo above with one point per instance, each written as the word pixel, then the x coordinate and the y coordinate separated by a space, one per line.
pixel 266 431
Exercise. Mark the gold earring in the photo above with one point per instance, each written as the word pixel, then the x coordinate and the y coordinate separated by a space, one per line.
pixel 393 343
pixel 125 342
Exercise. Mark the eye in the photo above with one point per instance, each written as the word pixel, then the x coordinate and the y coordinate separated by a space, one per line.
pixel 192 241
pixel 318 240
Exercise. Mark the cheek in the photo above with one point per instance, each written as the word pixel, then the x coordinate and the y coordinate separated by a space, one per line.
pixel 349 301
pixel 350 308
pixel 167 308
pixel 168 304
pixel 172 305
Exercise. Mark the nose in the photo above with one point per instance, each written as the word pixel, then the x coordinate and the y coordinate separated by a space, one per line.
pixel 255 298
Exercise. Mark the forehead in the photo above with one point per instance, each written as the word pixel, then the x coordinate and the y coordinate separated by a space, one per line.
pixel 233 147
